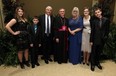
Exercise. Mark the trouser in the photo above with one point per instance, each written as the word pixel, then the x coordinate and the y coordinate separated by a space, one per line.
pixel 34 55
pixel 95 54
pixel 47 47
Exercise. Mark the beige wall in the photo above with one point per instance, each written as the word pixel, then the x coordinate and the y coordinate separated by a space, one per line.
pixel 36 7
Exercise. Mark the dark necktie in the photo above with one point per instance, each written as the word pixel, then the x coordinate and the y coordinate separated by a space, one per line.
pixel 47 25
pixel 100 23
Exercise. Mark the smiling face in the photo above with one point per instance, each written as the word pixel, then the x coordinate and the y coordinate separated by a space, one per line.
pixel 20 12
pixel 75 13
pixel 86 12
pixel 62 12
pixel 48 10
pixel 35 21
pixel 98 13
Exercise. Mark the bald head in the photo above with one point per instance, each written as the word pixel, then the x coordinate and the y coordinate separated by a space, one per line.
pixel 48 10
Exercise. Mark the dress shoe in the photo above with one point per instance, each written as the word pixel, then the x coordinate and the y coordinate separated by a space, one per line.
pixel 74 63
pixel 22 65
pixel 46 61
pixel 42 57
pixel 50 59
pixel 37 64
pixel 33 66
pixel 92 68
pixel 87 64
pixel 59 62
pixel 99 66
pixel 83 63
pixel 27 64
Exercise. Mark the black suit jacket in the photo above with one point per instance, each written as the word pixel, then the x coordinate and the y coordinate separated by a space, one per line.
pixel 35 38
pixel 42 24
pixel 99 34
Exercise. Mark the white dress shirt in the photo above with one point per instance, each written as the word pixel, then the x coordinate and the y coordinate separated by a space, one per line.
pixel 46 23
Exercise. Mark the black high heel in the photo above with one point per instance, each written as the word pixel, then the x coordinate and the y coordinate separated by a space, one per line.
pixel 27 64
pixel 22 65
pixel 83 63
pixel 87 64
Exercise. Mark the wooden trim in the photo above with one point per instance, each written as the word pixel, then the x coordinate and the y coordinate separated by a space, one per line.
pixel 1 16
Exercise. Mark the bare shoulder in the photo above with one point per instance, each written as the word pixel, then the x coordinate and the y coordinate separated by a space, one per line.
pixel 12 22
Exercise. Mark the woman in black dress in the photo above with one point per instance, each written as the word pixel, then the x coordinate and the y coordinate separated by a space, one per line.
pixel 18 28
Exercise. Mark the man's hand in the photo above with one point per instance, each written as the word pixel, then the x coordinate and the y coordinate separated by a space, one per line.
pixel 57 40
pixel 31 45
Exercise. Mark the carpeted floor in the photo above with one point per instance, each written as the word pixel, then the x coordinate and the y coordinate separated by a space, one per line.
pixel 54 69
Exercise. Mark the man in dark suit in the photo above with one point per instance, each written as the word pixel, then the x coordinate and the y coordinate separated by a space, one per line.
pixel 35 41
pixel 46 22
pixel 99 34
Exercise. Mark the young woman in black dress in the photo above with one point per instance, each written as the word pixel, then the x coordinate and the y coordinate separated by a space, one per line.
pixel 18 28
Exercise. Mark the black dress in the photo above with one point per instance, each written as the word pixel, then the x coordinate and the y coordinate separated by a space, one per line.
pixel 22 39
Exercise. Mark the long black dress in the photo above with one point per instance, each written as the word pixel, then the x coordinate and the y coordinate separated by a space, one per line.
pixel 61 48
pixel 21 40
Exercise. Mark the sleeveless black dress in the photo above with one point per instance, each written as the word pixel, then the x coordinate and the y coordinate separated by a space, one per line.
pixel 22 39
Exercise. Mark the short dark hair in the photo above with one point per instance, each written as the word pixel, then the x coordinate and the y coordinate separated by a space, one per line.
pixel 87 8
pixel 35 17
pixel 97 8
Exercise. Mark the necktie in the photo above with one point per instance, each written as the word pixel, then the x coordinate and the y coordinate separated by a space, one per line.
pixel 47 25
pixel 35 28
pixel 100 23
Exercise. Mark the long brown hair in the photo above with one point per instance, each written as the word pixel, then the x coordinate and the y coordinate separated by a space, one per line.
pixel 16 13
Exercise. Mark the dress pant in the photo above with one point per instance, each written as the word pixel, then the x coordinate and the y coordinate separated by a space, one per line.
pixel 47 46
pixel 34 55
pixel 95 54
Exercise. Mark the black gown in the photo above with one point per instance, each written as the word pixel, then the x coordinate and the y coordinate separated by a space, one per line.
pixel 22 39
pixel 61 48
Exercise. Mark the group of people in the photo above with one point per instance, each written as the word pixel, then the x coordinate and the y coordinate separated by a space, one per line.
pixel 64 38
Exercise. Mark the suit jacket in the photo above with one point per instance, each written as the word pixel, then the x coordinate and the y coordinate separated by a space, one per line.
pixel 42 24
pixel 99 34
pixel 35 38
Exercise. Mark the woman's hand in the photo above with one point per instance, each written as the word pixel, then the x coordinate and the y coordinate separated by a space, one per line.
pixel 91 43
pixel 17 32
pixel 72 32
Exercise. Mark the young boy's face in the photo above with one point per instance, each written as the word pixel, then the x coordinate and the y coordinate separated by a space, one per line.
pixel 35 21
pixel 98 13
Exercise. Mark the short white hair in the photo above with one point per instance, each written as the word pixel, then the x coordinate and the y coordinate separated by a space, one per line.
pixel 49 7
pixel 75 9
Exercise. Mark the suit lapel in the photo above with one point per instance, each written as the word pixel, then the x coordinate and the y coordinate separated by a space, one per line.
pixel 33 30
pixel 37 29
pixel 44 21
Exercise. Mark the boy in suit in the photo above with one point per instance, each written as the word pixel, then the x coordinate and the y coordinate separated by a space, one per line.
pixel 35 41
pixel 99 34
